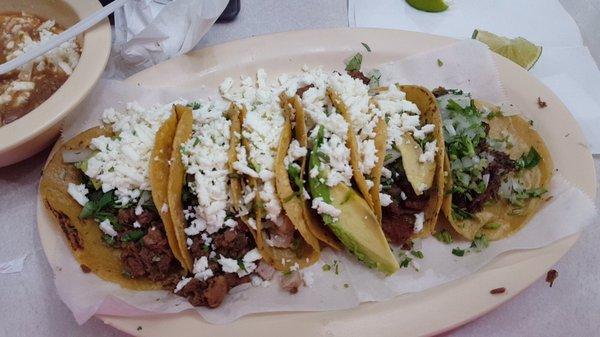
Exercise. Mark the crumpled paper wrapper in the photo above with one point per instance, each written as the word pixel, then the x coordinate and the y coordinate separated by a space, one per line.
pixel 567 213
pixel 148 32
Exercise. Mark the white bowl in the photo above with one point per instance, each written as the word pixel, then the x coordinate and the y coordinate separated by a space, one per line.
pixel 34 131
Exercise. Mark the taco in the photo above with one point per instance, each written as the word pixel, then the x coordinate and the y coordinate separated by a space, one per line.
pixel 344 208
pixel 408 178
pixel 499 167
pixel 216 245
pixel 268 201
pixel 106 189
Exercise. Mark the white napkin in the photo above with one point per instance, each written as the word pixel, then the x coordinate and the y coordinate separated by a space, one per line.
pixel 544 22
pixel 148 32
pixel 568 212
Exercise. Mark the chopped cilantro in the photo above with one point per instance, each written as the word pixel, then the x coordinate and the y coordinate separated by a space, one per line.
pixel 194 105
pixel 460 214
pixel 346 285
pixel 528 160
pixel 495 113
pixel 374 77
pixel 241 265
pixel 196 141
pixel 440 63
pixel 443 236
pixel 354 63
pixel 518 198
pixel 97 201
pixel 480 242
pixel 405 262
pixel 326 267
pixel 418 254
pixel 133 235
pixel 108 240
pixel 366 46
pixel 492 226
pixel 294 171
pixel 458 251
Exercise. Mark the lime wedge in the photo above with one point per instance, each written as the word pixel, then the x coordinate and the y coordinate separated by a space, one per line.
pixel 518 50
pixel 428 5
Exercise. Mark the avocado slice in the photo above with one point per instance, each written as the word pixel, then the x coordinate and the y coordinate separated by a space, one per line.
pixel 357 226
pixel 420 175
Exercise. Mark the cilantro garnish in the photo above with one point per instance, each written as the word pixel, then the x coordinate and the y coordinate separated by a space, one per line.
pixel 460 214
pixel 405 262
pixel 97 201
pixel 480 242
pixel 194 105
pixel 440 63
pixel 366 46
pixel 492 226
pixel 354 63
pixel 528 160
pixel 418 254
pixel 459 251
pixel 132 235
pixel 443 236
pixel 326 267
pixel 241 265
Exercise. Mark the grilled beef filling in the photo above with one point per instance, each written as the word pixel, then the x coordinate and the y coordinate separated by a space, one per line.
pixel 141 237
pixel 398 218
pixel 233 243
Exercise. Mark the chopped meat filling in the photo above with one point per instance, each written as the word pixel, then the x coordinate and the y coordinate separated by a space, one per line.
pixel 398 218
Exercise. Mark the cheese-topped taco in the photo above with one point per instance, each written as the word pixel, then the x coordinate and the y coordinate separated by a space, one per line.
pixel 269 203
pixel 107 190
pixel 345 208
pixel 499 167
pixel 217 247
pixel 408 179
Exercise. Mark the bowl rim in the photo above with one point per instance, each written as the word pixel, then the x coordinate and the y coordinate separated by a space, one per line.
pixel 97 43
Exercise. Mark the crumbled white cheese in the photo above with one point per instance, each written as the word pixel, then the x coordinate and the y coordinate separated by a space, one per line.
pixel 201 270
pixel 107 228
pixel 419 221
pixel 184 281
pixel 385 199
pixel 121 163
pixel 429 155
pixel 164 208
pixel 228 265
pixel 295 152
pixel 136 224
pixel 262 128
pixel 196 227
pixel 78 192
pixel 324 208
pixel 205 157
pixel 403 195
pixel 364 117
pixel 138 210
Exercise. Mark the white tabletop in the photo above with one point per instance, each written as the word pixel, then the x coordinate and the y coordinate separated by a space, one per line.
pixel 29 305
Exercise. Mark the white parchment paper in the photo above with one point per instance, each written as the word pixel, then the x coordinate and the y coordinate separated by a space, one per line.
pixel 568 212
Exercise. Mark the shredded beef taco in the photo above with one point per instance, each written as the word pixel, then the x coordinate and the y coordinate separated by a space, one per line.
pixel 499 167
pixel 268 202
pixel 408 177
pixel 106 189
pixel 345 208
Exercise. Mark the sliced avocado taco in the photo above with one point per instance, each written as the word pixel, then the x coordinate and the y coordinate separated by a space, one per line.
pixel 344 210
pixel 408 177
pixel 270 196
pixel 106 188
pixel 499 167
